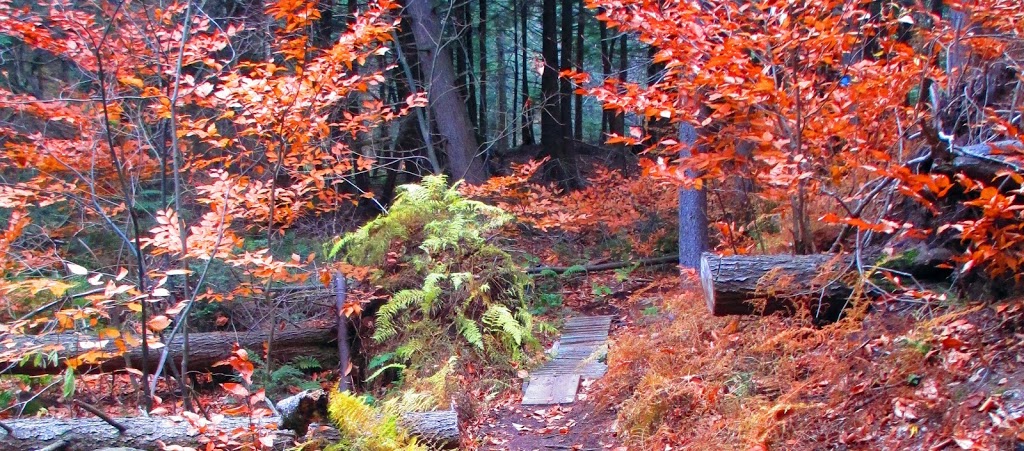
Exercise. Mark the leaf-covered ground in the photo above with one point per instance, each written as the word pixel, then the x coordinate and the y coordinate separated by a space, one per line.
pixel 906 376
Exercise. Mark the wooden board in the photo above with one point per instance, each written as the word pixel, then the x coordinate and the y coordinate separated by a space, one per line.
pixel 579 354
pixel 553 389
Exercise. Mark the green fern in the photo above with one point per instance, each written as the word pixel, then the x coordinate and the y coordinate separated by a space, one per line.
pixel 470 331
pixel 434 253
pixel 307 363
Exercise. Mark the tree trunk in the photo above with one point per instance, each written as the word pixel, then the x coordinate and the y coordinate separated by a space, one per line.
pixel 86 434
pixel 577 129
pixel 482 110
pixel 565 155
pixel 150 433
pixel 503 130
pixel 618 120
pixel 449 108
pixel 550 128
pixel 527 116
pixel 205 349
pixel 693 208
pixel 606 70
pixel 764 284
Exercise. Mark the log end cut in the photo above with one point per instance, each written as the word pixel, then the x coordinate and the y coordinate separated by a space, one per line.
pixel 707 282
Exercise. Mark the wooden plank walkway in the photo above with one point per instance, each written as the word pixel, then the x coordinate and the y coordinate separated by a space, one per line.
pixel 578 355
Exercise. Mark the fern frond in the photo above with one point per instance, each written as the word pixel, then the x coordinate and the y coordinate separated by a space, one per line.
pixel 499 318
pixel 470 331
pixel 387 313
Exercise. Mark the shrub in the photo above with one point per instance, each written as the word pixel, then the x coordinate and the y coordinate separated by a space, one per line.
pixel 453 291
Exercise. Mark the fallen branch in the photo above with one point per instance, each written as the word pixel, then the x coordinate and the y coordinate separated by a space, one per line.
pixel 103 416
pixel 655 261
pixel 979 160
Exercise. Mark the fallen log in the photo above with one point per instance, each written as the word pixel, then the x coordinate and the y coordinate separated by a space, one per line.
pixel 986 161
pixel 438 428
pixel 764 284
pixel 145 433
pixel 205 349
pixel 654 261
pixel 151 433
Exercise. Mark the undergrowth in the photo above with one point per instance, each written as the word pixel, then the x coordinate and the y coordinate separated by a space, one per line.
pixel 452 290
pixel 687 380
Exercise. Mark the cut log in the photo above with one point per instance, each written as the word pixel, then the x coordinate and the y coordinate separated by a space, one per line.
pixel 205 349
pixel 151 433
pixel 438 428
pixel 83 434
pixel 764 284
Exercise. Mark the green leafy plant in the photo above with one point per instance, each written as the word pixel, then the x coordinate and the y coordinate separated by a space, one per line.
pixel 450 285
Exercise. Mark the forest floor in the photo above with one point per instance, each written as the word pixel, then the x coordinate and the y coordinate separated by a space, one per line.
pixel 937 374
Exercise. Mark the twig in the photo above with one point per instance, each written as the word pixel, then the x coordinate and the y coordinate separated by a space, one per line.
pixel 103 416
pixel 664 260
pixel 50 305
pixel 59 444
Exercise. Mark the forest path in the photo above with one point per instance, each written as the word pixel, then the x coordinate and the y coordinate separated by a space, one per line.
pixel 555 412
pixel 578 355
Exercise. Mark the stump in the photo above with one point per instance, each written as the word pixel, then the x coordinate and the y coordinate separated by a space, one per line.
pixel 764 284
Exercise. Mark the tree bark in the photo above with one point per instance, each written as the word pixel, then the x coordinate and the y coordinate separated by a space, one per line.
pixel 205 349
pixel 618 120
pixel 527 115
pixel 482 98
pixel 448 107
pixel 438 428
pixel 693 208
pixel 606 69
pixel 764 284
pixel 147 433
pixel 502 128
pixel 986 161
pixel 577 125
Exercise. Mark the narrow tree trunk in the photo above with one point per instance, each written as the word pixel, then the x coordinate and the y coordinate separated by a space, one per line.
pixel 482 111
pixel 564 85
pixel 563 153
pixel 657 127
pixel 325 26
pixel 606 70
pixel 693 208
pixel 516 122
pixel 618 125
pixel 550 129
pixel 449 108
pixel 578 117
pixel 463 66
pixel 503 130
pixel 527 117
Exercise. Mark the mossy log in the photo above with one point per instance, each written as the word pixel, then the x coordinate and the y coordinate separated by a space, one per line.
pixel 765 284
pixel 205 349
